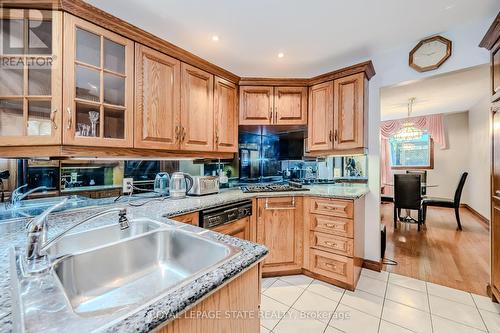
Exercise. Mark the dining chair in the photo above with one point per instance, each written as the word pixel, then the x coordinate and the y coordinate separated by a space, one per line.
pixel 408 195
pixel 423 178
pixel 448 203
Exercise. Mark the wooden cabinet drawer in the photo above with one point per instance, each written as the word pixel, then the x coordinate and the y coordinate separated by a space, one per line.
pixel 190 218
pixel 332 207
pixel 332 265
pixel 334 244
pixel 332 225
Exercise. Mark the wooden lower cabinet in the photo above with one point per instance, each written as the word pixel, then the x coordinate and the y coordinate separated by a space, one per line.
pixel 340 268
pixel 317 236
pixel 280 228
pixel 190 218
pixel 239 228
pixel 241 296
pixel 334 240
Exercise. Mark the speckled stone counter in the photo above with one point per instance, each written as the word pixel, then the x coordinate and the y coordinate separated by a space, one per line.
pixel 13 233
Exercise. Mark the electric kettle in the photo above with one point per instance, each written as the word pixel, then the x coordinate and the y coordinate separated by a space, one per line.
pixel 179 184
pixel 162 182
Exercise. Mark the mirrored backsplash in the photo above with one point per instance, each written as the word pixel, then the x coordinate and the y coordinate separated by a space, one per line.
pixel 97 178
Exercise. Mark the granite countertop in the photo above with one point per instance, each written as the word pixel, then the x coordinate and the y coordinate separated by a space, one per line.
pixel 13 233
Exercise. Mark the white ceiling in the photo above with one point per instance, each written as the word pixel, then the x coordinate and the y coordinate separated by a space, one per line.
pixel 316 36
pixel 445 93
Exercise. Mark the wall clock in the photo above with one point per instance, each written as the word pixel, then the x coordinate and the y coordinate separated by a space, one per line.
pixel 430 53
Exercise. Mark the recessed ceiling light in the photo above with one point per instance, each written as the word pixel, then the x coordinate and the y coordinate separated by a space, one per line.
pixel 215 38
pixel 281 55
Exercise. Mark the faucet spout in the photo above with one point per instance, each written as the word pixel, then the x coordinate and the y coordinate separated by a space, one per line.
pixel 37 260
pixel 17 196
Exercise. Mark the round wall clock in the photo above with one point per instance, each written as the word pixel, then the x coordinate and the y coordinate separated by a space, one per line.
pixel 430 53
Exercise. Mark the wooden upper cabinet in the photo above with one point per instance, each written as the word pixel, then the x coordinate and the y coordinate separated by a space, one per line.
pixel 348 112
pixel 197 109
pixel 273 105
pixel 320 122
pixel 157 99
pixel 30 78
pixel 290 105
pixel 98 89
pixel 226 115
pixel 256 105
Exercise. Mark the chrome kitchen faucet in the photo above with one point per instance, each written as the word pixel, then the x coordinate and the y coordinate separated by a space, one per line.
pixel 37 260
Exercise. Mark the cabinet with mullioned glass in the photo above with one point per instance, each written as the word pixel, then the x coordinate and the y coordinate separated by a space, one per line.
pixel 98 86
pixel 30 77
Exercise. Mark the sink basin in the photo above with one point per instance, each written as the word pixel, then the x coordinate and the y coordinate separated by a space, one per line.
pixel 34 207
pixel 49 201
pixel 131 272
pixel 81 241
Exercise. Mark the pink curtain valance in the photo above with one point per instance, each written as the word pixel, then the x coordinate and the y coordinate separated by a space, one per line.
pixel 433 124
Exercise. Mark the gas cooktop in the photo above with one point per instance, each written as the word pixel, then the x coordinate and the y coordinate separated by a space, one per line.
pixel 309 181
pixel 272 188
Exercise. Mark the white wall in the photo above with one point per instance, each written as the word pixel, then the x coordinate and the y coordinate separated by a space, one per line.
pixel 392 68
pixel 478 183
pixel 450 163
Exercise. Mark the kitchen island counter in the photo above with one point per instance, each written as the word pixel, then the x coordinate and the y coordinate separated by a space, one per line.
pixel 13 233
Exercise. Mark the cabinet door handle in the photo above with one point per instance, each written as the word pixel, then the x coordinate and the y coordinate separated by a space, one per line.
pixel 216 138
pixel 53 118
pixel 183 134
pixel 70 120
pixel 292 206
pixel 330 136
pixel 177 128
pixel 276 115
pixel 270 114
pixel 335 137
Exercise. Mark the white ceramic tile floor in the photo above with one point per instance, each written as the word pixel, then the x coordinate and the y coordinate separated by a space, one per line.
pixel 385 303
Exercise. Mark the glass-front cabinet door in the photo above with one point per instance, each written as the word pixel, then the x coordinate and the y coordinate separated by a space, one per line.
pixel 98 86
pixel 30 77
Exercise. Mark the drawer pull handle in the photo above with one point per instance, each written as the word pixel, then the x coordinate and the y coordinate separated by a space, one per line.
pixel 331 265
pixel 332 244
pixel 292 206
pixel 330 225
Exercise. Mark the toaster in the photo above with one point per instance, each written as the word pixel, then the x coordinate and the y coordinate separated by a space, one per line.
pixel 203 185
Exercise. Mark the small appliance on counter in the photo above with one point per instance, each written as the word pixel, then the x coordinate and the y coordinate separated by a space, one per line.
pixel 203 185
pixel 4 175
pixel 213 217
pixel 162 183
pixel 180 184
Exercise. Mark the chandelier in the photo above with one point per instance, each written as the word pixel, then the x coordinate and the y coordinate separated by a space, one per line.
pixel 408 132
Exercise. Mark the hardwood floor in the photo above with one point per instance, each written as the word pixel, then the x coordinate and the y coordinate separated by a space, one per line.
pixel 439 253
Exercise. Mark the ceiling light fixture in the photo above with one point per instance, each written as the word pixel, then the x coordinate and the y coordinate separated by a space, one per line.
pixel 409 132
pixel 281 55
pixel 215 38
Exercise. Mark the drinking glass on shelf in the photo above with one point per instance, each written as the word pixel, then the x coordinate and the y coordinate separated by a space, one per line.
pixel 80 129
pixel 94 118
pixel 85 130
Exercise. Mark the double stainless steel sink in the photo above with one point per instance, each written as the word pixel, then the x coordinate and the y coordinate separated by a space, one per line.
pixel 106 270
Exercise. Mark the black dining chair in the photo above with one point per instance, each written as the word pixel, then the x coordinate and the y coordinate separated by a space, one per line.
pixel 423 178
pixel 408 195
pixel 448 203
